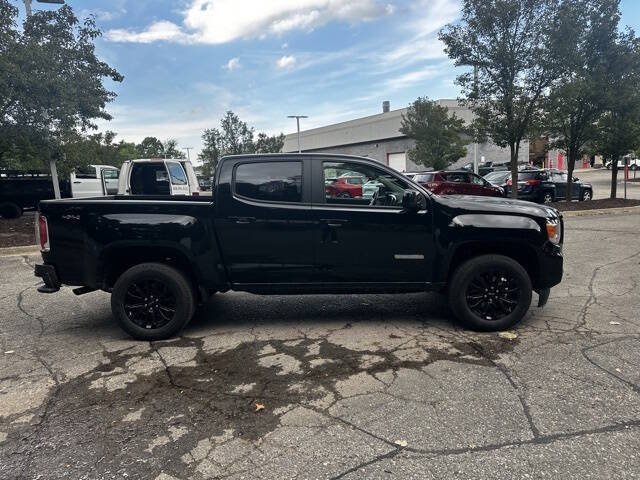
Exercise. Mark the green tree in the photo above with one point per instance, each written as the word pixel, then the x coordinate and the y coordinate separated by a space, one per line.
pixel 51 85
pixel 151 147
pixel 269 144
pixel 576 102
pixel 440 137
pixel 233 138
pixel 171 149
pixel 237 136
pixel 127 151
pixel 618 129
pixel 516 49
pixel 210 154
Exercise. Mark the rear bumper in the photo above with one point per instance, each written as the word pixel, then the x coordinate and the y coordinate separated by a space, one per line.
pixel 50 278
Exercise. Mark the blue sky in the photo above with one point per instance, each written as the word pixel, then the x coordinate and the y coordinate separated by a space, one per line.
pixel 186 62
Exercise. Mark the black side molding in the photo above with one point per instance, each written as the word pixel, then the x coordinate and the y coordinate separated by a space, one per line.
pixel 48 274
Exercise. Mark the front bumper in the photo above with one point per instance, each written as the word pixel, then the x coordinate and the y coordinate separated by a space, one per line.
pixel 50 278
pixel 551 267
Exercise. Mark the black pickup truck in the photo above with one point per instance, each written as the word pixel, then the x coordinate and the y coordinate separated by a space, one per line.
pixel 272 226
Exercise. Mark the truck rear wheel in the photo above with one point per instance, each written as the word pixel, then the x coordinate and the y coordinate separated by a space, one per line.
pixel 490 293
pixel 152 301
pixel 10 210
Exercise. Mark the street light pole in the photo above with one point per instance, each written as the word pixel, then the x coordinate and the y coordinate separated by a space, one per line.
pixel 188 149
pixel 298 117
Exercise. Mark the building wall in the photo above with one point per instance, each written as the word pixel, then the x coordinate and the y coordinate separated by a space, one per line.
pixel 379 150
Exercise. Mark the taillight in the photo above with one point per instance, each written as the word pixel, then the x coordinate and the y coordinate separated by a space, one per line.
pixel 43 233
pixel 509 182
pixel 532 183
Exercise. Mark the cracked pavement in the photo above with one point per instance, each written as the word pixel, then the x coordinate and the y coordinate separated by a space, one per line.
pixel 354 386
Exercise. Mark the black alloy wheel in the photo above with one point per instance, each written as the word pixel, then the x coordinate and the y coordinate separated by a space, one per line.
pixel 150 304
pixel 490 292
pixel 153 301
pixel 492 295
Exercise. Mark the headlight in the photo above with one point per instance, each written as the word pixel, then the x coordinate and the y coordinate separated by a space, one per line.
pixel 554 231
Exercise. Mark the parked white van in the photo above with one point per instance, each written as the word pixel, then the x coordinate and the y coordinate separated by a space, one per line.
pixel 158 177
pixel 94 181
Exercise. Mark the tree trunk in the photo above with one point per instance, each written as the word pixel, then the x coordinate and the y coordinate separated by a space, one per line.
pixel 514 148
pixel 614 177
pixel 571 163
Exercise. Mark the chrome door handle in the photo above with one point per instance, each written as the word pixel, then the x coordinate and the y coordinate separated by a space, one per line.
pixel 243 220
pixel 333 222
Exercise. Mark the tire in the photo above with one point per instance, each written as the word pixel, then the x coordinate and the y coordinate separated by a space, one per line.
pixel 10 210
pixel 344 195
pixel 634 167
pixel 168 291
pixel 547 197
pixel 586 196
pixel 490 271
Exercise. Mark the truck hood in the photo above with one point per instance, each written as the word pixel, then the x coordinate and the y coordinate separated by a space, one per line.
pixel 460 204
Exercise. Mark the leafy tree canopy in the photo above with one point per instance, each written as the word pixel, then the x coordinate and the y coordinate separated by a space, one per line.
pixel 516 47
pixel 51 87
pixel 440 137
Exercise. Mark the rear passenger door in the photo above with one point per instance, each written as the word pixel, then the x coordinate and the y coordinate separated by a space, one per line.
pixel 263 221
pixel 560 181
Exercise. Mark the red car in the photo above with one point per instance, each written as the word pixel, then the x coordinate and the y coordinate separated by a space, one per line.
pixel 457 183
pixel 344 187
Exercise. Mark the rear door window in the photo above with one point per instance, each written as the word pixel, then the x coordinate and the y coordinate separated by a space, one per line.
pixel 456 177
pixel 424 178
pixel 176 173
pixel 149 179
pixel 269 181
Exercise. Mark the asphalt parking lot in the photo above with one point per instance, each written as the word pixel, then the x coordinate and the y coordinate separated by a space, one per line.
pixel 327 387
pixel 600 178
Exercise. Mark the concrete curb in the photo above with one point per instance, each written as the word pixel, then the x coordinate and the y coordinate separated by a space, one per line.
pixel 601 211
pixel 25 250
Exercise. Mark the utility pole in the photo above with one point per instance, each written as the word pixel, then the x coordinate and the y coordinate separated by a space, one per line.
pixel 188 149
pixel 298 117
pixel 52 161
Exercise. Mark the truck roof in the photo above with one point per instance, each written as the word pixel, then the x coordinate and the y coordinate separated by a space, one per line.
pixel 300 155
pixel 158 160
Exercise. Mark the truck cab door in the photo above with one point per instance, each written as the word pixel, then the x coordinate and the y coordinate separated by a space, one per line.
pixel 370 242
pixel 86 183
pixel 109 177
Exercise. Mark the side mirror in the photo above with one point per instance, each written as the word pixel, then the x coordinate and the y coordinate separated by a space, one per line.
pixel 412 201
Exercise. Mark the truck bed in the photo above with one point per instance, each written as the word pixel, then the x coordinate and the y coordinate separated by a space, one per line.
pixel 90 235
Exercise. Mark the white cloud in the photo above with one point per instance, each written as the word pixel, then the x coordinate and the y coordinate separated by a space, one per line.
pixel 286 61
pixel 222 21
pixel 232 64
pixel 162 30
pixel 284 45
pixel 412 78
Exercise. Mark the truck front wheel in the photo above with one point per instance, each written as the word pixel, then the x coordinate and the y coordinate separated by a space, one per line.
pixel 490 293
pixel 152 301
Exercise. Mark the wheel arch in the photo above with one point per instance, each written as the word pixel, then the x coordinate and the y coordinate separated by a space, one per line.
pixel 522 253
pixel 115 261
